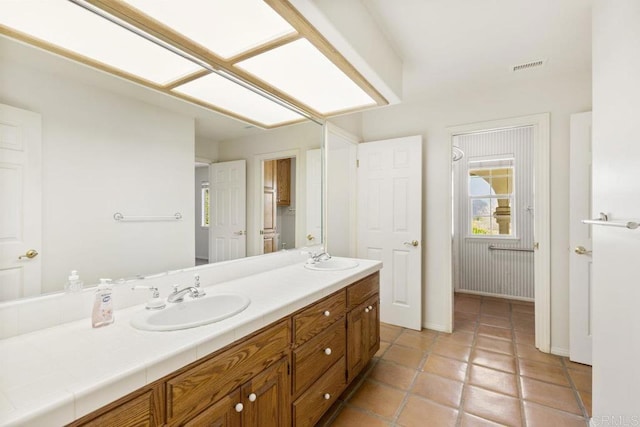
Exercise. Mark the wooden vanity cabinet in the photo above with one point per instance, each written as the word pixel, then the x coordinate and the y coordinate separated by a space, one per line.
pixel 288 373
pixel 283 172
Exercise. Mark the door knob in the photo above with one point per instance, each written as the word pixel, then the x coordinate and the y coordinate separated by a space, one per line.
pixel 581 250
pixel 239 233
pixel 31 253
pixel 411 243
pixel 310 237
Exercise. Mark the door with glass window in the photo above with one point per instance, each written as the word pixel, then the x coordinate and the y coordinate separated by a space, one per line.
pixel 494 203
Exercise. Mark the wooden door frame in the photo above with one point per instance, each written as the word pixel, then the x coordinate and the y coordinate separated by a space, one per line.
pixel 256 238
pixel 541 223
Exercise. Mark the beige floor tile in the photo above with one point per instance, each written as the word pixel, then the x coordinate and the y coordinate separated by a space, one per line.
pixel 543 372
pixel 467 306
pixel 454 351
pixel 461 315
pixel 492 406
pixel 493 380
pixel 418 411
pixel 377 398
pixel 489 359
pixel 445 367
pixel 552 395
pixel 582 380
pixel 520 316
pixel 522 307
pixel 389 333
pixel 527 351
pixel 495 345
pixel 351 417
pixel 465 325
pixel 457 337
pixel 524 325
pixel 500 322
pixel 392 374
pixel 525 337
pixel 383 347
pixel 438 389
pixel 406 356
pixel 586 401
pixel 417 341
pixel 541 416
pixel 577 366
pixel 494 332
pixel 468 420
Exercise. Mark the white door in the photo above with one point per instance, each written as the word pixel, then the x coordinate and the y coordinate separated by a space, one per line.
pixel 20 203
pixel 228 198
pixel 314 197
pixel 580 261
pixel 390 224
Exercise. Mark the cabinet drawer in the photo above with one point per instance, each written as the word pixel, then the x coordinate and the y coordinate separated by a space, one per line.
pixel 363 289
pixel 213 379
pixel 308 409
pixel 310 360
pixel 310 321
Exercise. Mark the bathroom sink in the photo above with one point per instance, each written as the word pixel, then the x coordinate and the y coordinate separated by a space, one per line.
pixel 191 313
pixel 333 264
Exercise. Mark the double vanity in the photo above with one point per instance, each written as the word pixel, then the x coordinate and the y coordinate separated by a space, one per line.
pixel 300 336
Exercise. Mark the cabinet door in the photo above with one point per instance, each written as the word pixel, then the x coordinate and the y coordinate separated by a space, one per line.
pixel 266 397
pixel 224 413
pixel 363 335
pixel 283 171
pixel 373 326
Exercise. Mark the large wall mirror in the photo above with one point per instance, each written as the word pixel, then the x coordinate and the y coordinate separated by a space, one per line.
pixel 108 146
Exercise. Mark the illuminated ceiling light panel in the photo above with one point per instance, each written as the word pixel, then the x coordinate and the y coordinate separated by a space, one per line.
pixel 303 72
pixel 225 27
pixel 68 26
pixel 218 91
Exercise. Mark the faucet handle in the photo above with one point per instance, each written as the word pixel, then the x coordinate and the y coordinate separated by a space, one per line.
pixel 196 280
pixel 175 288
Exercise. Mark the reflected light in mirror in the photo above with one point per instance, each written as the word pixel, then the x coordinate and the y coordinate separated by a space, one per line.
pixel 220 92
pixel 68 26
pixel 302 71
pixel 226 27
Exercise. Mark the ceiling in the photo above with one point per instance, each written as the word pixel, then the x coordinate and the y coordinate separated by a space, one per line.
pixel 449 44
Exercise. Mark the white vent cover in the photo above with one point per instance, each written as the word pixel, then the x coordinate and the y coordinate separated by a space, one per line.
pixel 528 65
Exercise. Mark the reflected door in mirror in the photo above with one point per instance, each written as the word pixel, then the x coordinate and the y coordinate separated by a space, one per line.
pixel 270 204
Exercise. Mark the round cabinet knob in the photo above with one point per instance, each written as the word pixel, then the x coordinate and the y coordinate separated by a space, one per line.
pixel 327 396
pixel 370 308
pixel 327 313
pixel 252 397
pixel 327 351
pixel 366 310
pixel 239 407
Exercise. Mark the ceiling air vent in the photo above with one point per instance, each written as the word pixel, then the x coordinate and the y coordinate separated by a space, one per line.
pixel 528 65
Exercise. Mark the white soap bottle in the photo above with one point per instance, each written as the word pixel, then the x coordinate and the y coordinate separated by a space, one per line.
pixel 103 305
pixel 74 284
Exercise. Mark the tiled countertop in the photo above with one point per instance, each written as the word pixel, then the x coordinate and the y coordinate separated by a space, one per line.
pixel 56 375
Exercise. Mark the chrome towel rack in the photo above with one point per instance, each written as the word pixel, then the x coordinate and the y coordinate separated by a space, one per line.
pixel 604 220
pixel 499 248
pixel 122 218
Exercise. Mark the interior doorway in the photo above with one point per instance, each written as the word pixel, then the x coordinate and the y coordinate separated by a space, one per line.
pixel 201 197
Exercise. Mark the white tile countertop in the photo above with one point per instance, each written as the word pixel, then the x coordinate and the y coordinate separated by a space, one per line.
pixel 56 375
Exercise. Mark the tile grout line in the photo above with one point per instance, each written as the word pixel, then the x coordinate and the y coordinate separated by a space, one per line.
pixel 467 374
pixel 518 376
pixel 576 392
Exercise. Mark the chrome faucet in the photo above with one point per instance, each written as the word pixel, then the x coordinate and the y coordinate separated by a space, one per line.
pixel 317 257
pixel 178 295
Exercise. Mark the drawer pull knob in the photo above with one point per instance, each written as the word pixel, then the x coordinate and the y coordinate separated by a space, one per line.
pixel 327 351
pixel 327 313
pixel 370 308
pixel 252 397
pixel 239 407
pixel 366 310
pixel 327 396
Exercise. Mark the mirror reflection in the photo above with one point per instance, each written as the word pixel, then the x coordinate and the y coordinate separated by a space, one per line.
pixel 112 179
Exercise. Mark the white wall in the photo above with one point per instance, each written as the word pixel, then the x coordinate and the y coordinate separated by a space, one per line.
pixel 302 137
pixel 104 153
pixel 616 186
pixel 201 233
pixel 431 117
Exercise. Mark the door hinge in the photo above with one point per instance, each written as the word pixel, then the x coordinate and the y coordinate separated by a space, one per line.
pixel 358 163
pixel 536 246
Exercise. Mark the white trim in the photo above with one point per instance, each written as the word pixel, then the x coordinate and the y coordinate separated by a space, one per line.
pixel 255 239
pixel 542 226
pixel 489 294
pixel 435 327
pixel 560 351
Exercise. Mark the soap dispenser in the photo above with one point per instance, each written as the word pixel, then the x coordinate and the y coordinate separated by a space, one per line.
pixel 74 284
pixel 103 305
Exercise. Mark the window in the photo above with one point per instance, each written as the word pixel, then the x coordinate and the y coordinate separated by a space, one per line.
pixel 206 206
pixel 491 197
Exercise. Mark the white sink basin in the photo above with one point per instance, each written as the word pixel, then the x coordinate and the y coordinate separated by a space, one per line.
pixel 191 313
pixel 333 264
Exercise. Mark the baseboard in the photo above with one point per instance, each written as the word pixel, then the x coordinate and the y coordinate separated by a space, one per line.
pixel 560 351
pixel 435 327
pixel 489 294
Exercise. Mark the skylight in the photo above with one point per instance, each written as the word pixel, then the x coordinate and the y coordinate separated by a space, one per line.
pixel 218 91
pixel 302 71
pixel 68 26
pixel 225 27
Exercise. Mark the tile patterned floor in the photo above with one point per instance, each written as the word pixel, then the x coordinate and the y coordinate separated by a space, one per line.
pixel 487 373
